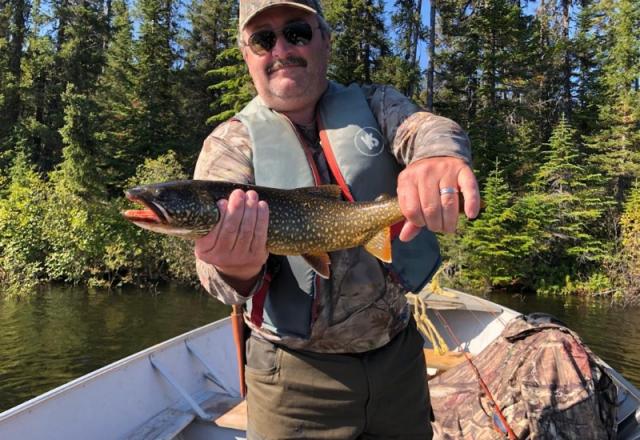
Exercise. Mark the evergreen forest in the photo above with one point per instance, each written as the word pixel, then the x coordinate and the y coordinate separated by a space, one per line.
pixel 99 95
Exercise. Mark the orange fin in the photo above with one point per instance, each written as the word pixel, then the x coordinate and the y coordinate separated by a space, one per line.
pixel 380 245
pixel 327 191
pixel 319 262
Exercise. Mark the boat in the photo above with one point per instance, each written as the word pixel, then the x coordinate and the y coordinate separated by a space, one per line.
pixel 188 388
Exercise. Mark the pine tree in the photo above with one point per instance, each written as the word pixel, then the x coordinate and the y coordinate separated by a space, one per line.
pixel 358 39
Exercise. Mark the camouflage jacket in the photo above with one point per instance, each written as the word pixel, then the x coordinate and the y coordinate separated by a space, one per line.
pixel 349 320
pixel 546 382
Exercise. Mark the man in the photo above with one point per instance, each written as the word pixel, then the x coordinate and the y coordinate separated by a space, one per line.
pixel 335 358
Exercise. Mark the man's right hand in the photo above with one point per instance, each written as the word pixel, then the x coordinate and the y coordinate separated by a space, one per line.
pixel 237 246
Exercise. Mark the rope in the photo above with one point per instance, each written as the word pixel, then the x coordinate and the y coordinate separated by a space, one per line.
pixel 510 434
pixel 425 325
pixel 429 330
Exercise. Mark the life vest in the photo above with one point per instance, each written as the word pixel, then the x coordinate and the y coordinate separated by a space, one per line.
pixel 363 167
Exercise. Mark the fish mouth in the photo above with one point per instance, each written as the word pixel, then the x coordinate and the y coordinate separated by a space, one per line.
pixel 152 213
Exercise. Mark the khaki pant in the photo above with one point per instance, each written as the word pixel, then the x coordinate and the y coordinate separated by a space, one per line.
pixel 381 394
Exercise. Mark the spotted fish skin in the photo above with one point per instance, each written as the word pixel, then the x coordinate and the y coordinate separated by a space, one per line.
pixel 312 220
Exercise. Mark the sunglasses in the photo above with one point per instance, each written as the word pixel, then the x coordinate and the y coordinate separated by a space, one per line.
pixel 298 33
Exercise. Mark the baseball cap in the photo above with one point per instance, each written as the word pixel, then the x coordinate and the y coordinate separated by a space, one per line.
pixel 251 8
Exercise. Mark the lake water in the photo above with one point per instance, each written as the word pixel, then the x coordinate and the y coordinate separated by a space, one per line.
pixel 64 332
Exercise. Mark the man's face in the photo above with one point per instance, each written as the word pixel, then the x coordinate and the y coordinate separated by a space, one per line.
pixel 289 77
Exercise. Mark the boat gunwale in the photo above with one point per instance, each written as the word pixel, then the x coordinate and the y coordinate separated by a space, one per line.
pixel 112 367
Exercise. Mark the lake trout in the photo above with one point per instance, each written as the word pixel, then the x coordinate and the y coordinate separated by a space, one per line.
pixel 305 221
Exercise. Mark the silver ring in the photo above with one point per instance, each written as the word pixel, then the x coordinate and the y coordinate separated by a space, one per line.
pixel 448 190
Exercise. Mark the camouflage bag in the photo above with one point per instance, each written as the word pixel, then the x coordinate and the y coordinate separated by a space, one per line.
pixel 547 383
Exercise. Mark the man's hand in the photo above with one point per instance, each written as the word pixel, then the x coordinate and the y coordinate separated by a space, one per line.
pixel 421 201
pixel 237 246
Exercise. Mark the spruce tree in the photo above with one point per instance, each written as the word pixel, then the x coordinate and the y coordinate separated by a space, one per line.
pixel 399 73
pixel 118 112
pixel 77 173
pixel 231 85
pixel 615 147
pixel 81 50
pixel 5 81
pixel 358 39
pixel 491 247
pixel 41 116
pixel 549 93
pixel 577 206
pixel 155 93
pixel 482 66
pixel 588 90
pixel 13 30
pixel 212 32
pixel 82 59
pixel 407 26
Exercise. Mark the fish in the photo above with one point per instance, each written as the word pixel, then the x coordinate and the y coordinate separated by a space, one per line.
pixel 309 221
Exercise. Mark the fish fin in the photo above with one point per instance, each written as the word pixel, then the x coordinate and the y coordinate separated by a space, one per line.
pixel 326 191
pixel 380 245
pixel 319 262
pixel 382 197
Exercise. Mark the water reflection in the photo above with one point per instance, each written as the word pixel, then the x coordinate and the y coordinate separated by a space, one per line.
pixel 65 332
pixel 610 331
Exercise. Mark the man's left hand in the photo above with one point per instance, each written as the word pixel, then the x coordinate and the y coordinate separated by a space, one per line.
pixel 428 195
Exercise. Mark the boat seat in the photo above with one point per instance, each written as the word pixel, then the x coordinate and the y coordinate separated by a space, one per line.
pixel 443 362
pixel 235 418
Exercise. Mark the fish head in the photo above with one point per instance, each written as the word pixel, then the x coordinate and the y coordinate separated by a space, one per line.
pixel 177 208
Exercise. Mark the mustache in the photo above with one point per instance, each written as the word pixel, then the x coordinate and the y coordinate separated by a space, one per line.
pixel 289 61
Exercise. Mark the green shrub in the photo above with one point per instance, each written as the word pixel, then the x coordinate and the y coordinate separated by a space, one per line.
pixel 22 250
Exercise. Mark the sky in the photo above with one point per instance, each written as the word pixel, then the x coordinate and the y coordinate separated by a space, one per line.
pixel 423 57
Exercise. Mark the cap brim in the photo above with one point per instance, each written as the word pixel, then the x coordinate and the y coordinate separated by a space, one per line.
pixel 274 5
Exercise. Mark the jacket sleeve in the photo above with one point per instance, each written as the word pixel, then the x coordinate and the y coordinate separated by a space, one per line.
pixel 226 155
pixel 413 133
